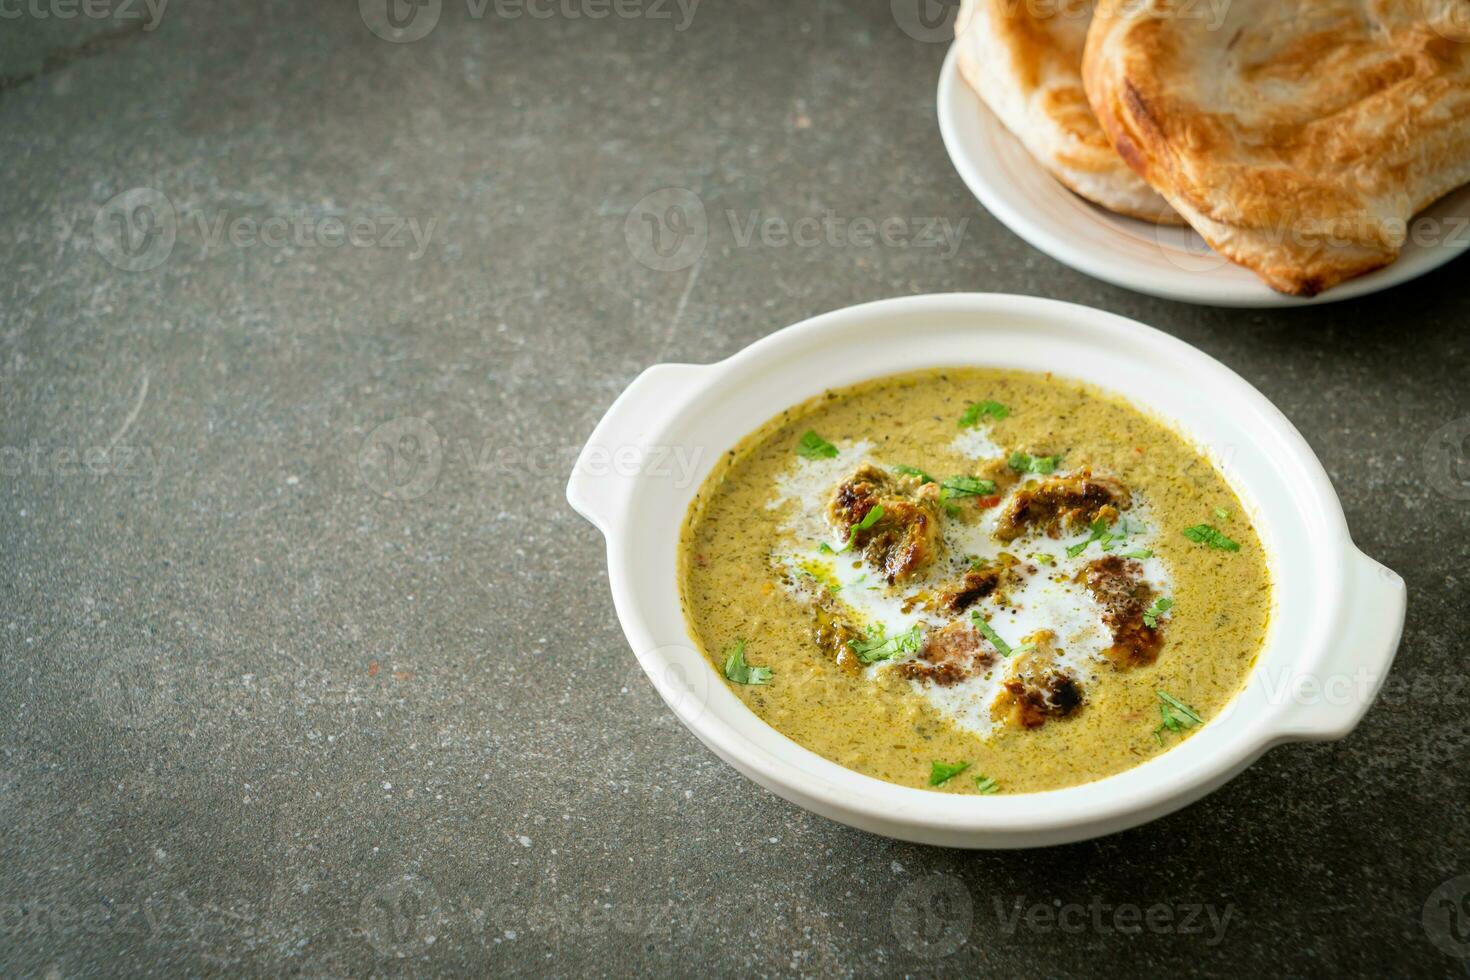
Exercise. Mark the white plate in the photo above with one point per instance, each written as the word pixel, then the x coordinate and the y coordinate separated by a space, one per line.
pixel 1328 648
pixel 1171 262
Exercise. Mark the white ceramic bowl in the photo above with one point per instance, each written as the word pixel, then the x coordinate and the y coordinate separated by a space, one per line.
pixel 1172 262
pixel 1337 619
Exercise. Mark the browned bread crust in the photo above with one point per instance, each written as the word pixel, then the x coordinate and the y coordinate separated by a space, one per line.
pixel 1298 137
pixel 1024 59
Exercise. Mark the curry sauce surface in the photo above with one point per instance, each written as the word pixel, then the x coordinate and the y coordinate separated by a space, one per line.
pixel 882 727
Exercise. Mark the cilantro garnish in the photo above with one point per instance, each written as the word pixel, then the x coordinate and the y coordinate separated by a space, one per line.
pixel 985 784
pixel 1026 463
pixel 965 486
pixel 1099 531
pixel 813 446
pixel 879 647
pixel 1212 536
pixel 942 772
pixel 872 517
pixel 1001 646
pixel 1222 514
pixel 740 672
pixel 915 472
pixel 1176 715
pixel 1152 614
pixel 1140 553
pixel 972 414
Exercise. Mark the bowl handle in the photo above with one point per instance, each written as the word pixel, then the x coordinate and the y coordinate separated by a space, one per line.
pixel 618 453
pixel 1332 699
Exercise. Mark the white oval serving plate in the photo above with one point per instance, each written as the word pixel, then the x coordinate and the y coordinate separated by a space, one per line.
pixel 1172 262
pixel 1338 614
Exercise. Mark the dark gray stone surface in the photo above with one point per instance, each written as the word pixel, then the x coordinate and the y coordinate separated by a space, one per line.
pixel 259 716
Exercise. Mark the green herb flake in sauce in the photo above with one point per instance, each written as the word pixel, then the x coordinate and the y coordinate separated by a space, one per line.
pixel 740 672
pixel 1212 536
pixel 986 785
pixel 972 414
pixel 965 486
pixel 1152 614
pixel 1222 514
pixel 942 772
pixel 1176 715
pixel 872 517
pixel 880 647
pixel 1001 646
pixel 1099 531
pixel 914 472
pixel 1140 553
pixel 1117 534
pixel 1026 463
pixel 813 446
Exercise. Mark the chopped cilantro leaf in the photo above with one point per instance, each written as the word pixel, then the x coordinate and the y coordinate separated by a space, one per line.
pixel 872 517
pixel 1152 614
pixel 1176 715
pixel 965 486
pixel 1140 553
pixel 1210 535
pixel 813 446
pixel 879 647
pixel 986 785
pixel 1001 646
pixel 943 772
pixel 915 472
pixel 1026 463
pixel 740 672
pixel 1099 531
pixel 972 414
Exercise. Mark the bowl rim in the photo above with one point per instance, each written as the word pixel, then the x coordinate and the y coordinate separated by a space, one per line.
pixel 1157 786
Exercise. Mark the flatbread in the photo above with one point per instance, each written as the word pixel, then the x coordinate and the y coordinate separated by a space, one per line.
pixel 1298 138
pixel 1024 59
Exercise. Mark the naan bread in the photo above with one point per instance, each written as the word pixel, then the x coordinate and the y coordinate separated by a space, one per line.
pixel 1297 137
pixel 1024 59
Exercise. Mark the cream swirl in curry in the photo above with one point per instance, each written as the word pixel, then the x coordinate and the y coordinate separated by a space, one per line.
pixel 975 580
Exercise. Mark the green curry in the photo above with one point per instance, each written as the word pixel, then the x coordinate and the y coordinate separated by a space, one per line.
pixel 975 580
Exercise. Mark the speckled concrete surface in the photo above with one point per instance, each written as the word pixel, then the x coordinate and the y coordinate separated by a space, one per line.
pixel 289 690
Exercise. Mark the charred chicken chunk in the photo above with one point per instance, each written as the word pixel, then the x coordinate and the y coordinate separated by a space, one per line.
pixel 950 655
pixel 985 581
pixel 1034 699
pixel 1037 689
pixel 977 584
pixel 904 536
pixel 1063 502
pixel 1118 586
